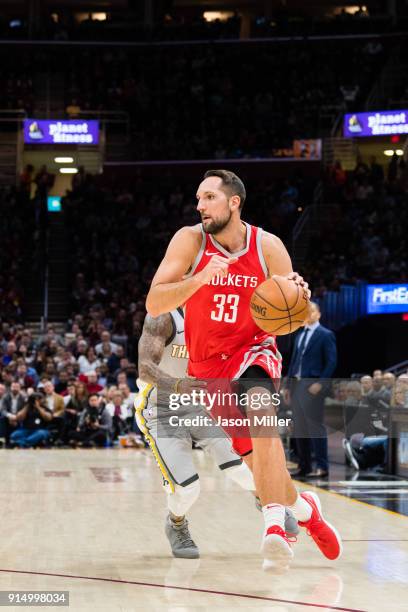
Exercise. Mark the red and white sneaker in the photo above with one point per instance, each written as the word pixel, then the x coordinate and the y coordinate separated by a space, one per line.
pixel 325 535
pixel 276 546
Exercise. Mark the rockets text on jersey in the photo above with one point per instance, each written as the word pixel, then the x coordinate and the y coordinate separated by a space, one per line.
pixel 217 316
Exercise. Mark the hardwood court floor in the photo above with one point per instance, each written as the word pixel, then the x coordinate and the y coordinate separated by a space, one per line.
pixel 91 522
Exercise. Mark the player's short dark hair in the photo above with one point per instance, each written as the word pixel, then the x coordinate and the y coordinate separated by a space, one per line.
pixel 231 183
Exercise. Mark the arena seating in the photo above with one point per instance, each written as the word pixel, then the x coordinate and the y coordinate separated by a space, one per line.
pixel 367 242
pixel 215 89
pixel 195 101
pixel 18 246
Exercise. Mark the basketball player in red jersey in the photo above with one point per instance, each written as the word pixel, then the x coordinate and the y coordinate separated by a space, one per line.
pixel 212 269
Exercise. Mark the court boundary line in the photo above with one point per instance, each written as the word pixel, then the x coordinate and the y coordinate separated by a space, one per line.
pixel 305 486
pixel 374 540
pixel 180 588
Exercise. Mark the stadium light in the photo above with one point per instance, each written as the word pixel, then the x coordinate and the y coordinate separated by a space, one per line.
pixel 390 152
pixel 63 160
pixel 68 170
pixel 217 15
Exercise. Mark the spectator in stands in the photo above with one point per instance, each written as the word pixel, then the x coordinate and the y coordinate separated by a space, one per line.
pixel 26 376
pixel 94 426
pixel 3 392
pixel 54 401
pixel 393 168
pixel 11 403
pixel 44 181
pixel 27 343
pixel 81 394
pixel 89 361
pixel 10 354
pixel 26 179
pixel 399 398
pixel 402 386
pixel 363 450
pixel 73 408
pixel 73 109
pixel 62 382
pixel 379 396
pixel 350 93
pixel 388 384
pixel 69 391
pixel 81 349
pixel 91 381
pixel 106 341
pixel 56 406
pixel 377 172
pixel 104 353
pixel 64 359
pixel 115 359
pixel 338 175
pixel 403 379
pixel 128 398
pixel 13 400
pixel 128 377
pixel 353 393
pixel 118 410
pixel 33 420
pixel 366 384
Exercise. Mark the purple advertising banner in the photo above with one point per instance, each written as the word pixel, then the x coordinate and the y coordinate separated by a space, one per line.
pixel 65 132
pixel 379 123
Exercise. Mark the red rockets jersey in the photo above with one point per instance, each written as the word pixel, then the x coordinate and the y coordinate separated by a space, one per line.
pixel 218 323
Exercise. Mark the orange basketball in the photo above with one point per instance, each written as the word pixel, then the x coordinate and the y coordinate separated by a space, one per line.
pixel 279 306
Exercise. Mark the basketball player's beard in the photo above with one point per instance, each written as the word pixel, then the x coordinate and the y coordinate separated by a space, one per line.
pixel 214 227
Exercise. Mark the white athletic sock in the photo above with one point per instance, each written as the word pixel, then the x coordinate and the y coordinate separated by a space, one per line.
pixel 274 514
pixel 301 509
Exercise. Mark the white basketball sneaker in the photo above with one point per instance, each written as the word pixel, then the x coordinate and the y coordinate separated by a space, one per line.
pixel 276 548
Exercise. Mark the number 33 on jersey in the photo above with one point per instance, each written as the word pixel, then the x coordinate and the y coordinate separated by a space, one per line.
pixel 218 320
pixel 226 307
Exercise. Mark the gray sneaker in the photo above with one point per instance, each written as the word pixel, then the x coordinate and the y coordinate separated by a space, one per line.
pixel 348 449
pixel 182 545
pixel 291 524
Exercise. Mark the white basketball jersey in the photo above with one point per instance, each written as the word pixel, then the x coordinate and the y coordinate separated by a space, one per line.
pixel 175 356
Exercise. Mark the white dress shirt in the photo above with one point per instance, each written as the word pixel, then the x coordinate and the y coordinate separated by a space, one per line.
pixel 311 329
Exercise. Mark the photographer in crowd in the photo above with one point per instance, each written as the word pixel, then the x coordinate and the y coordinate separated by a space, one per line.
pixel 33 420
pixel 94 425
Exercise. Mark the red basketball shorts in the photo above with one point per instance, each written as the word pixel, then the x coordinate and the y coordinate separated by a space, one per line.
pixel 221 371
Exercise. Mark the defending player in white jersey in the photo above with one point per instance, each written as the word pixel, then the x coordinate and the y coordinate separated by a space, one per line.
pixel 162 370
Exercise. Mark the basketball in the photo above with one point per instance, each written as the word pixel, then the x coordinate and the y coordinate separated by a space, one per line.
pixel 279 306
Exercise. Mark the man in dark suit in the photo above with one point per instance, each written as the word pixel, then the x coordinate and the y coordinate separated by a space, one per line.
pixel 314 357
pixel 11 404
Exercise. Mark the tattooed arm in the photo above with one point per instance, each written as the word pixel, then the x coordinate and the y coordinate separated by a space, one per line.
pixel 156 332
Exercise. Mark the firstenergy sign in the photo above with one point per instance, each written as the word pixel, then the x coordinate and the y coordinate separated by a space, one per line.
pixel 385 299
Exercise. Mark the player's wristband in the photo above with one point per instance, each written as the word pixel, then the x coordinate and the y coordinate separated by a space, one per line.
pixel 177 384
